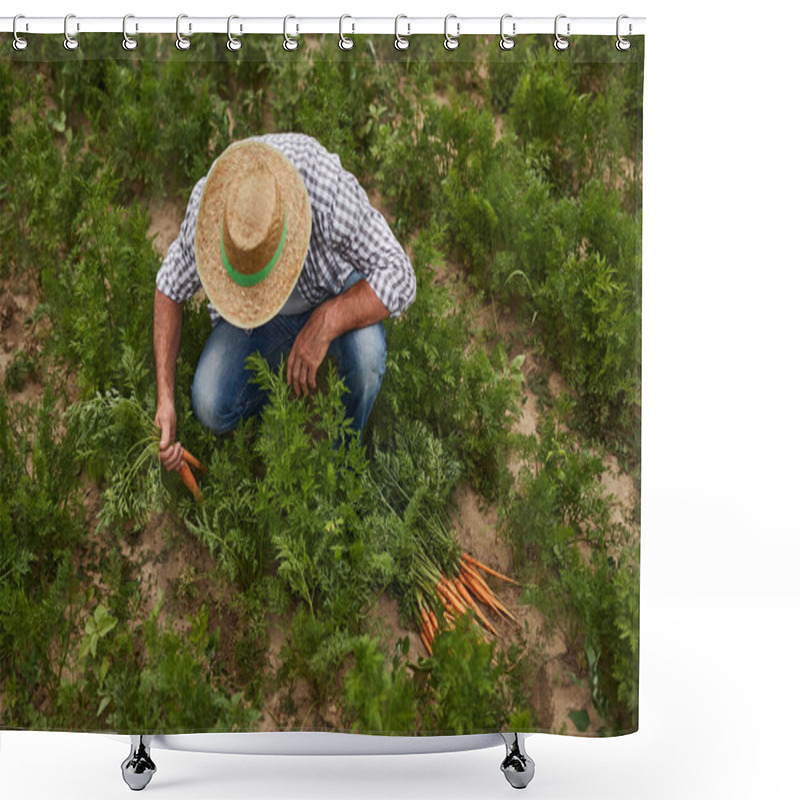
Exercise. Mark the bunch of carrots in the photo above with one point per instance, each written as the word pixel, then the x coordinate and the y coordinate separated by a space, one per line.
pixel 115 411
pixel 150 450
pixel 187 475
pixel 460 594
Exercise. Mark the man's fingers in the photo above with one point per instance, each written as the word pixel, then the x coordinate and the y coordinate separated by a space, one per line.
pixel 301 374
pixel 171 457
pixel 290 366
pixel 301 369
pixel 293 370
pixel 300 377
pixel 295 377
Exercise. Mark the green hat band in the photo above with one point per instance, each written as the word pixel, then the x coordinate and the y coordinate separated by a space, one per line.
pixel 242 278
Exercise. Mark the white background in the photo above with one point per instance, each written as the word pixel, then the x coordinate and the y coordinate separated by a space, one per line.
pixel 720 552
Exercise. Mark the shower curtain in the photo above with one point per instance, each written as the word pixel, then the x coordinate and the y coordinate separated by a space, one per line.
pixel 469 565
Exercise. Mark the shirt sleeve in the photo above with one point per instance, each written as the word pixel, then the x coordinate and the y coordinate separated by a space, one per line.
pixel 360 234
pixel 178 278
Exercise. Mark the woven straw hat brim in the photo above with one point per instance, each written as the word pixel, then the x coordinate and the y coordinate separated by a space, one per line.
pixel 249 307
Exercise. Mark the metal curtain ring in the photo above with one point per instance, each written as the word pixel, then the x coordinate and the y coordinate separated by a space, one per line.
pixel 234 44
pixel 560 42
pixel 451 42
pixel 128 43
pixel 181 42
pixel 401 42
pixel 506 42
pixel 19 42
pixel 289 43
pixel 622 44
pixel 345 42
pixel 70 42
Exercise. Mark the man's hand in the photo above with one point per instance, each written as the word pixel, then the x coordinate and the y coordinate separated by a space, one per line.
pixel 308 352
pixel 171 451
pixel 358 307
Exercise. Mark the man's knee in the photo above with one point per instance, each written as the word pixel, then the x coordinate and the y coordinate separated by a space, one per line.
pixel 369 355
pixel 211 409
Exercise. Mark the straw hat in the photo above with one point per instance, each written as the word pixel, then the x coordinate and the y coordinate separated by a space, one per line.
pixel 253 229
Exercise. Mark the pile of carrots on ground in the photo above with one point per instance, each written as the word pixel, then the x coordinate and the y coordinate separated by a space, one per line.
pixel 460 594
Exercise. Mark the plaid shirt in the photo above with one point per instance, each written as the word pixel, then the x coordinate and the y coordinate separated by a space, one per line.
pixel 347 233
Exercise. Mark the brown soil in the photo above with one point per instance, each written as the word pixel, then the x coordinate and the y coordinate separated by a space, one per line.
pixel 166 217
pixel 475 526
pixel 384 621
pixel 377 201
pixel 172 565
pixel 620 488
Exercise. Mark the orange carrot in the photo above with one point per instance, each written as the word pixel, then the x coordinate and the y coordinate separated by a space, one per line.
pixel 457 600
pixel 501 609
pixel 426 626
pixel 190 482
pixel 464 592
pixel 452 596
pixel 193 461
pixel 443 597
pixel 475 577
pixel 474 561
pixel 486 595
pixel 433 622
pixel 425 631
pixel 481 592
pixel 477 580
pixel 427 644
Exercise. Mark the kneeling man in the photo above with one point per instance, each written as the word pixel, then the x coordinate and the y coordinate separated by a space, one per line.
pixel 295 263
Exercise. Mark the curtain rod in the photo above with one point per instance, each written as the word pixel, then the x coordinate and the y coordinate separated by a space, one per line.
pixel 455 26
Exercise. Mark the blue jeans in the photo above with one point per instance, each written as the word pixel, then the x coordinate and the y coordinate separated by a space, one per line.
pixel 222 393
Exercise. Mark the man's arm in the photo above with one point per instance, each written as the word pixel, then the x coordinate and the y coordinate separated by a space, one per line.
pixel 358 307
pixel 361 238
pixel 177 280
pixel 356 232
pixel 167 319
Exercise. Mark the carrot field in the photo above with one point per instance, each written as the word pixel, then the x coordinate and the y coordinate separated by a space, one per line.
pixel 318 587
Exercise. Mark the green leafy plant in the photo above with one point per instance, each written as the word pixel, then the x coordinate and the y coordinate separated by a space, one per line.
pixel 591 327
pixel 435 374
pixel 379 699
pixel 171 686
pixel 98 626
pixel 42 531
pixel 119 439
pixel 463 692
